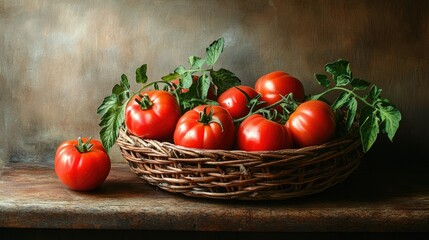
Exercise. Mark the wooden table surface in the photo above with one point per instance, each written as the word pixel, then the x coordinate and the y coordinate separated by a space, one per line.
pixel 397 199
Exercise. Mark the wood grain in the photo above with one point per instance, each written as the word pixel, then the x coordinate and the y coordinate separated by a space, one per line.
pixel 32 197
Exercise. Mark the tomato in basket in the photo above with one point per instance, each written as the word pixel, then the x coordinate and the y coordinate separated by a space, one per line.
pixel 278 83
pixel 236 102
pixel 312 123
pixel 153 115
pixel 256 133
pixel 205 127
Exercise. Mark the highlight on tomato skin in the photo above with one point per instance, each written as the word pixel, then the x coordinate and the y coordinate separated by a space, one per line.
pixel 256 133
pixel 312 123
pixel 236 102
pixel 272 86
pixel 82 165
pixel 205 127
pixel 145 115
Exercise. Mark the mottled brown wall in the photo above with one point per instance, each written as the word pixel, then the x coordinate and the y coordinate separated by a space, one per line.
pixel 58 59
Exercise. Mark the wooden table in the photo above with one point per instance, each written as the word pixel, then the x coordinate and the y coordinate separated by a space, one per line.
pixel 373 199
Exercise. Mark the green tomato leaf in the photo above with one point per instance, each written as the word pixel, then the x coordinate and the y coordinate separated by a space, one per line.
pixel 341 101
pixel 186 80
pixel 342 80
pixel 322 79
pixel 108 102
pixel 180 70
pixel 375 92
pixel 111 122
pixel 224 79
pixel 365 113
pixel 359 84
pixel 171 77
pixel 351 112
pixel 390 118
pixel 213 51
pixel 141 76
pixel 196 62
pixel 112 112
pixel 121 90
pixel 338 68
pixel 369 131
pixel 203 85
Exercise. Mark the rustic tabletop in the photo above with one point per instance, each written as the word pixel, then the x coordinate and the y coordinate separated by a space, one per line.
pixel 369 200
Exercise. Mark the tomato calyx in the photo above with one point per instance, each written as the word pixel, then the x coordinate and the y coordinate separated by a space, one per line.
pixel 145 103
pixel 206 119
pixel 83 147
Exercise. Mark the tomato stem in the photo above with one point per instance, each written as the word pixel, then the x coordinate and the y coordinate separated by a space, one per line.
pixel 288 104
pixel 206 119
pixel 145 102
pixel 318 96
pixel 84 147
pixel 155 83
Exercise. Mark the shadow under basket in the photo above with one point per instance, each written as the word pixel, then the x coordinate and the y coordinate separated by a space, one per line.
pixel 235 174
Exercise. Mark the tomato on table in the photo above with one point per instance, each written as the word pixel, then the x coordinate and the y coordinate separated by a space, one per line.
pixel 312 123
pixel 205 127
pixel 152 115
pixel 82 164
pixel 256 133
pixel 236 102
pixel 274 85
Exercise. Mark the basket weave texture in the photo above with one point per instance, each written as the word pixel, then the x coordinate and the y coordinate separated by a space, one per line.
pixel 235 174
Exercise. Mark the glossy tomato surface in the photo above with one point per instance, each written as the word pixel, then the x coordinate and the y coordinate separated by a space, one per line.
pixel 215 131
pixel 312 123
pixel 81 171
pixel 256 133
pixel 276 84
pixel 236 101
pixel 158 120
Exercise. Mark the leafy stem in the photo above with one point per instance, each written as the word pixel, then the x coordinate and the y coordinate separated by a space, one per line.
pixel 198 86
pixel 318 96
pixel 287 105
pixel 378 114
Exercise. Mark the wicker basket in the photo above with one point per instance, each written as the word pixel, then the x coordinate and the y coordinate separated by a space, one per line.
pixel 238 174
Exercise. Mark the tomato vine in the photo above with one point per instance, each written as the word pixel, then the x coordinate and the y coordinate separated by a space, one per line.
pixel 377 114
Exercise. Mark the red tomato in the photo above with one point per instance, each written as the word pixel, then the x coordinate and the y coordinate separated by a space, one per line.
pixel 256 133
pixel 312 123
pixel 206 127
pixel 154 116
pixel 211 94
pixel 235 101
pixel 82 165
pixel 277 83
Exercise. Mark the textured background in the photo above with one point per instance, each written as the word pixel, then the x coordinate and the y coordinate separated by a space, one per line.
pixel 59 59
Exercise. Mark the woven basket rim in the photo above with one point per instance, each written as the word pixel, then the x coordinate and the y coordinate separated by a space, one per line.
pixel 335 141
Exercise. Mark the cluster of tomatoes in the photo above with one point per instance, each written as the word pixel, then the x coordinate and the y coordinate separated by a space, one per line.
pixel 237 121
